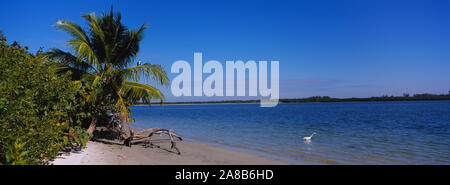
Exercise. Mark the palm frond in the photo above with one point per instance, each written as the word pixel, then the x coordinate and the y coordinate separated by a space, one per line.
pixel 72 29
pixel 96 90
pixel 135 91
pixel 77 83
pixel 97 36
pixel 148 72
pixel 128 48
pixel 80 42
pixel 121 105
pixel 68 60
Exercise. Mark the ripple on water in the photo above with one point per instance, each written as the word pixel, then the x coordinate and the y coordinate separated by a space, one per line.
pixel 347 133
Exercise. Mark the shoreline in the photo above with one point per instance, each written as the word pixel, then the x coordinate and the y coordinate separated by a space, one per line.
pixel 281 102
pixel 108 152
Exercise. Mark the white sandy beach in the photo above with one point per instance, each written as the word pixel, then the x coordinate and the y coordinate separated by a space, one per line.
pixel 113 153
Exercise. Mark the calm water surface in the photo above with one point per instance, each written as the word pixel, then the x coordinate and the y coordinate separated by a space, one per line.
pixel 413 132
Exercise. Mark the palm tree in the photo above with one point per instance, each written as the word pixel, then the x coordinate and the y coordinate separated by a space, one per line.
pixel 101 55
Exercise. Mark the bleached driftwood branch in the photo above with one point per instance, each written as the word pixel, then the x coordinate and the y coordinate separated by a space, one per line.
pixel 148 133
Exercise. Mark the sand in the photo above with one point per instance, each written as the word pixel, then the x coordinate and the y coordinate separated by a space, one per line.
pixel 109 152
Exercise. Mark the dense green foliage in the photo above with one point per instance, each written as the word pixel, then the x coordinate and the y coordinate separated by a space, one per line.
pixel 41 111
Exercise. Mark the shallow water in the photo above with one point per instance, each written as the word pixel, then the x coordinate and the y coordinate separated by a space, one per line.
pixel 413 132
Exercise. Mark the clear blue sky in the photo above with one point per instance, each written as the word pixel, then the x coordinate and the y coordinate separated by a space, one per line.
pixel 336 48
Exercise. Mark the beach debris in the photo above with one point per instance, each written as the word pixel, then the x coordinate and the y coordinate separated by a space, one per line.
pixel 171 135
pixel 148 133
pixel 128 134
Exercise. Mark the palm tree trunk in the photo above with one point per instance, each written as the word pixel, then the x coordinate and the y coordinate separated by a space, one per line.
pixel 126 131
pixel 93 124
pixel 95 112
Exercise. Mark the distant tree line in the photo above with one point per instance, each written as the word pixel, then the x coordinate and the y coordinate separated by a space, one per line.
pixel 405 97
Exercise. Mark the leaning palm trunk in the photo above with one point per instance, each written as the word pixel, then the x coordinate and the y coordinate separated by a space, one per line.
pixel 92 125
pixel 94 119
pixel 126 132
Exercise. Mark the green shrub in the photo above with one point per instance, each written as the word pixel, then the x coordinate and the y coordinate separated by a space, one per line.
pixel 38 108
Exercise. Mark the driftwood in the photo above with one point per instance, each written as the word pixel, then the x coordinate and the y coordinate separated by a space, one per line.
pixel 128 135
pixel 170 133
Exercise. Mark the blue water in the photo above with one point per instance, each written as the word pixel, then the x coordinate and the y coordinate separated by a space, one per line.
pixel 413 132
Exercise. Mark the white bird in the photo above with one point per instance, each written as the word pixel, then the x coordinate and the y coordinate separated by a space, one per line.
pixel 309 138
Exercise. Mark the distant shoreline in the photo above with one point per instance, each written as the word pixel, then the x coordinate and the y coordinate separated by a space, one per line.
pixel 315 99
